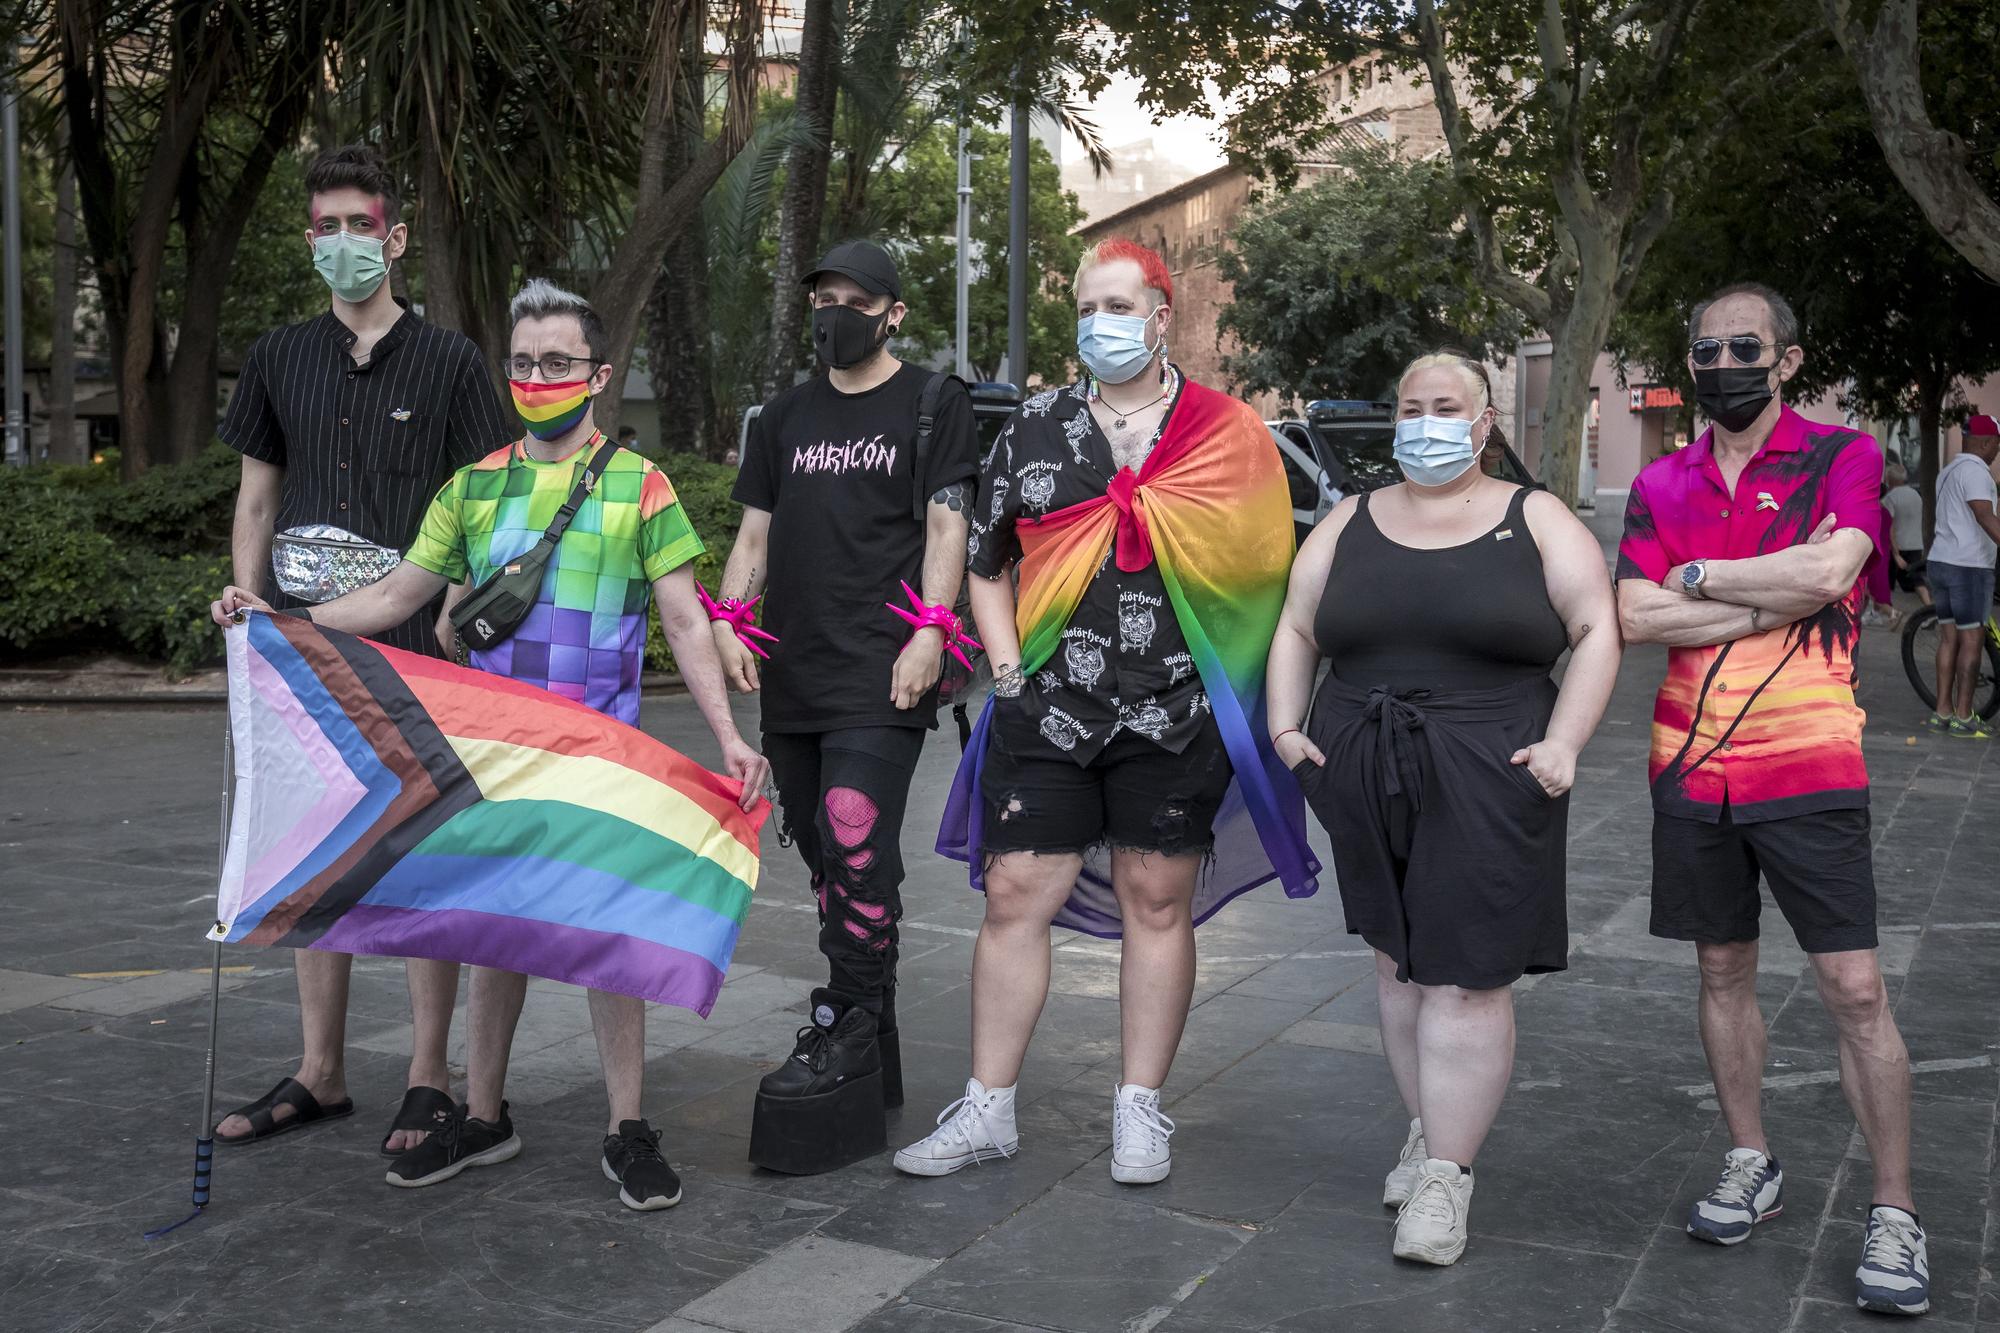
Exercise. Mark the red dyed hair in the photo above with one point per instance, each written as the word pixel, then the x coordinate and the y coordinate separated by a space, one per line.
pixel 1151 267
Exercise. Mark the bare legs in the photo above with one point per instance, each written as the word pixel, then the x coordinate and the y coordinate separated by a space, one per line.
pixel 620 1023
pixel 1732 1035
pixel 1010 965
pixel 492 1014
pixel 1874 1066
pixel 433 995
pixel 1451 1051
pixel 1156 964
pixel 323 987
pixel 1958 654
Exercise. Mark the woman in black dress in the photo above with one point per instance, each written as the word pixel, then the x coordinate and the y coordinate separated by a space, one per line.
pixel 1439 756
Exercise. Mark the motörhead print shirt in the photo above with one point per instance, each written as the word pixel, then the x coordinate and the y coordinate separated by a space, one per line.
pixel 1123 664
pixel 1765 725
pixel 836 473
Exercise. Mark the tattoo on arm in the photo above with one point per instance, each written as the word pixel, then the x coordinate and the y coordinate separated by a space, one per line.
pixel 956 497
pixel 1579 634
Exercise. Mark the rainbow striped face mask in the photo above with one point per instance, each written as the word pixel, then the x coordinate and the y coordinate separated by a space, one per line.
pixel 550 411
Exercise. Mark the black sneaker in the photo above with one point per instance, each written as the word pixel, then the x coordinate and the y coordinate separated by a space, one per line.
pixel 460 1141
pixel 632 1159
pixel 837 1049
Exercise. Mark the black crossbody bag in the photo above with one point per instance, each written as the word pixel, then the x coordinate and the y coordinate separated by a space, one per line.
pixel 495 609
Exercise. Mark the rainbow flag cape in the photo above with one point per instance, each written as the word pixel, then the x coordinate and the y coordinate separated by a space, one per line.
pixel 389 803
pixel 1210 504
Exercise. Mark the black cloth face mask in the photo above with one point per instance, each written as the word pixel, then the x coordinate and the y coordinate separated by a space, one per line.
pixel 845 337
pixel 1733 396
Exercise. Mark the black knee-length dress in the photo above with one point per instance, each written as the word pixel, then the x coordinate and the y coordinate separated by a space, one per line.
pixel 1450 858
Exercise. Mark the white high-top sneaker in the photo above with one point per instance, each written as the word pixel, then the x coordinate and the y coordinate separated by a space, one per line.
pixel 1139 1134
pixel 978 1127
pixel 1431 1226
pixel 1409 1166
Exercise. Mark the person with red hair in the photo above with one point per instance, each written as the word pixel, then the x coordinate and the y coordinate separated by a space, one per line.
pixel 1091 792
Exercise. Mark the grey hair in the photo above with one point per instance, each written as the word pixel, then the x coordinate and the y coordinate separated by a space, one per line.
pixel 1784 322
pixel 541 299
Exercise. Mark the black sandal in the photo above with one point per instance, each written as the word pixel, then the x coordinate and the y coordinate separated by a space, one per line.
pixel 423 1108
pixel 306 1110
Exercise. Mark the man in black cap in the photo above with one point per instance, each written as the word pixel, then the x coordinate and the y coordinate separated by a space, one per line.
pixel 839 515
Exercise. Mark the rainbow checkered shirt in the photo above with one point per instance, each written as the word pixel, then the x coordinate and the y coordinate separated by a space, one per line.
pixel 586 636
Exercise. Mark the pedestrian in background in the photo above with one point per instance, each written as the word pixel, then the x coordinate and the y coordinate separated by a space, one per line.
pixel 1960 569
pixel 1906 530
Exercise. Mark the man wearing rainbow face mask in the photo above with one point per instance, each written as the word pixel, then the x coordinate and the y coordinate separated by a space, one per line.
pixel 584 639
pixel 348 424
pixel 1125 747
pixel 833 528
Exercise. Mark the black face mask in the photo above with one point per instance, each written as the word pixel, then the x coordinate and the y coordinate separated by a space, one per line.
pixel 1733 396
pixel 845 337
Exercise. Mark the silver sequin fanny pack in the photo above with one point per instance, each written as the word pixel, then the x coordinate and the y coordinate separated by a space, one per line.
pixel 319 562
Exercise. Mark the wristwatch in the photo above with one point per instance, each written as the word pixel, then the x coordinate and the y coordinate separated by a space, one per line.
pixel 1693 574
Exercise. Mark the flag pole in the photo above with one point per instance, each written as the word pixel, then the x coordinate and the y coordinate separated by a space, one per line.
pixel 204 1143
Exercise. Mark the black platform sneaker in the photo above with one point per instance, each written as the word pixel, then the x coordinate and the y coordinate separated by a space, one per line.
pixel 822 1108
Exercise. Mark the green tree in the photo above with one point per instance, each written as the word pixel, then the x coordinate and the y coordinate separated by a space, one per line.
pixel 176 111
pixel 1934 119
pixel 1568 130
pixel 1892 315
pixel 1342 283
pixel 916 202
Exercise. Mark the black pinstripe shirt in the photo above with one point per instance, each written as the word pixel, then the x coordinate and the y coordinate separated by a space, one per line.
pixel 365 447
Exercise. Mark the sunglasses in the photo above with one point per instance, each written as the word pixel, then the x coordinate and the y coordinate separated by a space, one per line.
pixel 1743 349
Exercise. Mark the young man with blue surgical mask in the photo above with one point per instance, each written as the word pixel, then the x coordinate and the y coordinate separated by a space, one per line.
pixel 1091 791
pixel 348 424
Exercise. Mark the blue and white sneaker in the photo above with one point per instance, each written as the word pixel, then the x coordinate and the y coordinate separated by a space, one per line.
pixel 1751 1190
pixel 1895 1272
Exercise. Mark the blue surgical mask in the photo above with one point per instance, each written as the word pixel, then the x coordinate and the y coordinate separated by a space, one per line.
pixel 1434 451
pixel 353 266
pixel 1114 347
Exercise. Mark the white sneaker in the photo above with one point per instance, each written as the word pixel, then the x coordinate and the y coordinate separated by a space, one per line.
pixel 1396 1189
pixel 1430 1228
pixel 978 1127
pixel 1139 1134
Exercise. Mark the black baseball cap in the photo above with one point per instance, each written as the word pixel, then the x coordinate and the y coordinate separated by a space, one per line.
pixel 865 262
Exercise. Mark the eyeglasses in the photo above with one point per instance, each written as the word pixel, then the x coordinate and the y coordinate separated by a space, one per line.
pixel 1743 349
pixel 555 366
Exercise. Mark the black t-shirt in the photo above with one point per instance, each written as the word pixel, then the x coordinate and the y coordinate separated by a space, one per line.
pixel 1123 664
pixel 833 470
pixel 365 447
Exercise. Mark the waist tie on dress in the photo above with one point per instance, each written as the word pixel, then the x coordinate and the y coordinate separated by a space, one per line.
pixel 1397 719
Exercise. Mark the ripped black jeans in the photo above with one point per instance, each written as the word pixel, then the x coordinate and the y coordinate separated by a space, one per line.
pixel 1133 795
pixel 842 795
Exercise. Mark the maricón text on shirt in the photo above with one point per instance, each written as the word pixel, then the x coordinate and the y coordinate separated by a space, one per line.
pixel 827 456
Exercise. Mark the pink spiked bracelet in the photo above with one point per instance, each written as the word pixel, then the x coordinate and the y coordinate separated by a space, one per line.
pixel 923 615
pixel 739 615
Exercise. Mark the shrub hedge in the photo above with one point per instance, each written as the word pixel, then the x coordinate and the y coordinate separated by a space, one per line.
pixel 88 563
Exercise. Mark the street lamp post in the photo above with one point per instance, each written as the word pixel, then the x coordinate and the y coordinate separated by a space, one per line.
pixel 964 366
pixel 1017 246
pixel 10 221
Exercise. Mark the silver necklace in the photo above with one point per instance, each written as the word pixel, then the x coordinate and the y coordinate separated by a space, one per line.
pixel 1166 386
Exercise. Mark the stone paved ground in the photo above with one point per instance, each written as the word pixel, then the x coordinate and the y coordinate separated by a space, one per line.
pixel 1287 1115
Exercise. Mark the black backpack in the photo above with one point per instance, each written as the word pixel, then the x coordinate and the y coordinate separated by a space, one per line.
pixel 955 682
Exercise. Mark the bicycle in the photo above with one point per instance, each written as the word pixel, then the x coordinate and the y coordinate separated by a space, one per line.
pixel 1920 662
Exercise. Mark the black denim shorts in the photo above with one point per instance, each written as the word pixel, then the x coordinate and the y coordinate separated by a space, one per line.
pixel 1133 795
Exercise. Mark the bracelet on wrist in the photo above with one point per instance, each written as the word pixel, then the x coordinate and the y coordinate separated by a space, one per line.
pixel 925 615
pixel 739 615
